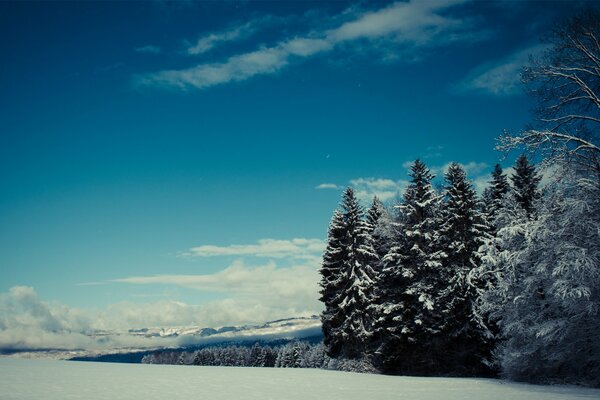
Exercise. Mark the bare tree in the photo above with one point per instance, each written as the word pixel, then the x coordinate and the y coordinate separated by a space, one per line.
pixel 566 83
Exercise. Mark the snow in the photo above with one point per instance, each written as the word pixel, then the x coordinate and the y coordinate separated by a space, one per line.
pixel 51 379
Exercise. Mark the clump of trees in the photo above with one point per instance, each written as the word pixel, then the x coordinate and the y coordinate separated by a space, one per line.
pixel 448 283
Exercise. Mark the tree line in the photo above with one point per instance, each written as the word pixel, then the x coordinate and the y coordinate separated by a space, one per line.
pixel 452 283
pixel 295 354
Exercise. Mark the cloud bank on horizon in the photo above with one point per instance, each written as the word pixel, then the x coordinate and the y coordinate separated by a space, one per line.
pixel 249 294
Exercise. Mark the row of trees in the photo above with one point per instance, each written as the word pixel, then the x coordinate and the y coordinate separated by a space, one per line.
pixel 295 354
pixel 449 283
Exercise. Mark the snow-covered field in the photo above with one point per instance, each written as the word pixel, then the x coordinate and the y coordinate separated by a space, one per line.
pixel 51 379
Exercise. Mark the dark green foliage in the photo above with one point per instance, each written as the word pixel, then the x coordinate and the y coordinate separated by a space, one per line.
pixel 525 182
pixel 464 343
pixel 376 219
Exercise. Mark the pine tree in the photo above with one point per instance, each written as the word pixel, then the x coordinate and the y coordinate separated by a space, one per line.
pixel 462 342
pixel 332 283
pixel 494 195
pixel 347 281
pixel 376 220
pixel 525 181
pixel 405 290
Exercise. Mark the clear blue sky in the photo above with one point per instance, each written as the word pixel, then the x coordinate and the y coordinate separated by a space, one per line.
pixel 133 132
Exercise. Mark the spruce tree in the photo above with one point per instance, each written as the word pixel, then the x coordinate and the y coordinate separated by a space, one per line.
pixel 387 341
pixel 494 195
pixel 376 220
pixel 332 283
pixel 405 290
pixel 525 182
pixel 462 344
pixel 347 281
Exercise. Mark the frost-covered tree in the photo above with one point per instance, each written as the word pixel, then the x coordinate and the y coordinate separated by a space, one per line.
pixel 552 286
pixel 462 343
pixel 406 314
pixel 525 182
pixel 546 270
pixel 347 281
pixel 315 357
pixel 292 355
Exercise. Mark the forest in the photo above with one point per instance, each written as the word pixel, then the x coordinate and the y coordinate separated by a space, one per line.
pixel 447 282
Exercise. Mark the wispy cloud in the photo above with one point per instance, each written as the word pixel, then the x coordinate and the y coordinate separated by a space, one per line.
pixel 500 77
pixel 433 151
pixel 412 25
pixel 270 285
pixel 234 33
pixel 415 22
pixel 328 186
pixel 298 248
pixel 150 49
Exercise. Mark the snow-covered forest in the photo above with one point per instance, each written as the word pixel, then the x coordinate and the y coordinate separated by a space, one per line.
pixel 295 354
pixel 448 282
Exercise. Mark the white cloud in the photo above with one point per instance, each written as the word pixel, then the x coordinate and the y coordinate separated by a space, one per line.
pixel 243 31
pixel 481 182
pixel 414 22
pixel 500 77
pixel 385 189
pixel 237 68
pixel 148 49
pixel 411 24
pixel 327 186
pixel 272 287
pixel 298 248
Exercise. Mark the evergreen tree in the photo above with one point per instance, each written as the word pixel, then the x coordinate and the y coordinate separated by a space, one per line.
pixel 462 342
pixel 499 184
pixel 332 284
pixel 376 220
pixel 494 195
pixel 405 318
pixel 525 182
pixel 347 281
pixel 255 356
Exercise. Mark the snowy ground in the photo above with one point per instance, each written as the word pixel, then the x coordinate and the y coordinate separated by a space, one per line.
pixel 50 379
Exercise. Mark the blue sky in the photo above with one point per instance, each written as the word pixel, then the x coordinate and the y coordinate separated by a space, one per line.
pixel 178 154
